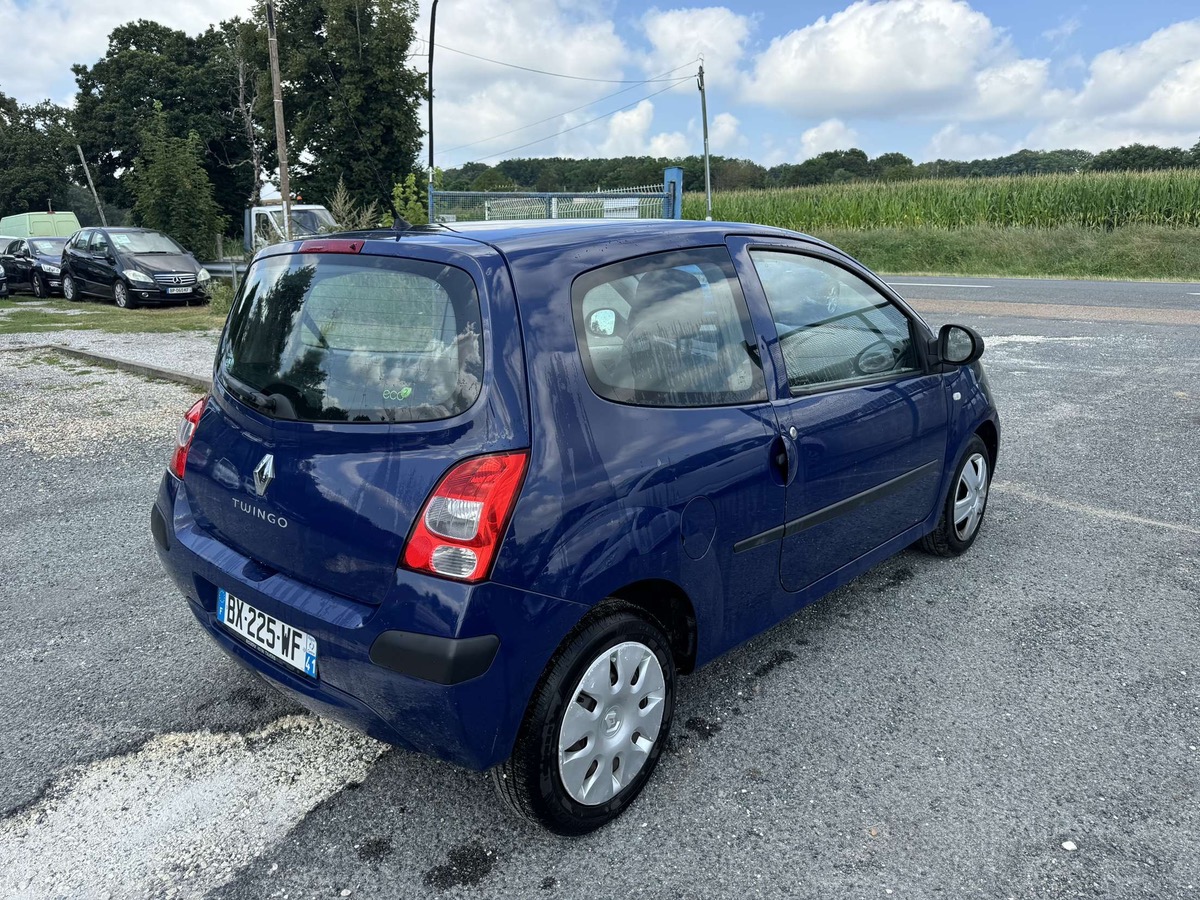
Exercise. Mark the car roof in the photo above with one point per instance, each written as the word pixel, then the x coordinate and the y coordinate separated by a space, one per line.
pixel 518 236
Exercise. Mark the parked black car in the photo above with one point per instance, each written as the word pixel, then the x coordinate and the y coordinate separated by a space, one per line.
pixel 3 283
pixel 34 264
pixel 133 266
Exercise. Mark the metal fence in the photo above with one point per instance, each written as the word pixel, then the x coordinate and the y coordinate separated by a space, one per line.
pixel 647 202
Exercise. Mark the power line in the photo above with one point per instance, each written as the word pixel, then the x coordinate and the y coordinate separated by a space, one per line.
pixel 574 127
pixel 559 115
pixel 560 74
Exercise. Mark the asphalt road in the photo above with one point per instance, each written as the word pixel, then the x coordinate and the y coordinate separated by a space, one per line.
pixel 1021 722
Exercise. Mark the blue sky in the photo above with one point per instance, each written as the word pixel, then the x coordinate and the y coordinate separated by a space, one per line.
pixel 929 78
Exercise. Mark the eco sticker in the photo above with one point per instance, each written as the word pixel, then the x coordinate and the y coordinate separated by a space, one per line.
pixel 401 393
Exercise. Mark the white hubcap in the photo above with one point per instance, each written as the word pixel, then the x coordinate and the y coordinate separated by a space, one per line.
pixel 970 497
pixel 611 723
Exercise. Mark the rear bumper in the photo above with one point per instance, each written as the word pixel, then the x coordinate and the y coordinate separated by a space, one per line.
pixel 440 668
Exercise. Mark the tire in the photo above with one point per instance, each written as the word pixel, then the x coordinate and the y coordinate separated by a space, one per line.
pixel 121 296
pixel 38 286
pixel 574 788
pixel 966 502
pixel 71 288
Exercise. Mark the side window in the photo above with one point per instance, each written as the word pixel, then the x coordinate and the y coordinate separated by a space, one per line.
pixel 99 242
pixel 12 248
pixel 833 327
pixel 80 240
pixel 667 330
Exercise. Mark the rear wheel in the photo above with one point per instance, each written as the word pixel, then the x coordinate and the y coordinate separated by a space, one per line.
pixel 595 727
pixel 121 296
pixel 70 287
pixel 965 504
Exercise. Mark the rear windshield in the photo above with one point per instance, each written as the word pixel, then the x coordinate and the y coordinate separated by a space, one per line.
pixel 342 338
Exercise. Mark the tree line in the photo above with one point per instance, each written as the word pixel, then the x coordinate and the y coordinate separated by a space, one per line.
pixel 832 167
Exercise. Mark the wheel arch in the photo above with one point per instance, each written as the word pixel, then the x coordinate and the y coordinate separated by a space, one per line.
pixel 990 435
pixel 669 606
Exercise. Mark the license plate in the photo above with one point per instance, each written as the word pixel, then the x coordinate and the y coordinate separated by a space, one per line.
pixel 287 644
pixel 179 290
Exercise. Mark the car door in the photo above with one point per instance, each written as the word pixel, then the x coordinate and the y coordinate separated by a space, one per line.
pixel 76 257
pixel 12 263
pixel 23 259
pixel 865 417
pixel 678 422
pixel 102 268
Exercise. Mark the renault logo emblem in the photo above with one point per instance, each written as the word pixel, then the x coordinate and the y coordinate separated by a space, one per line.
pixel 264 474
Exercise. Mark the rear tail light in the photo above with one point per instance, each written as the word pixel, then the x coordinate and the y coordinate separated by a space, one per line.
pixel 463 521
pixel 187 430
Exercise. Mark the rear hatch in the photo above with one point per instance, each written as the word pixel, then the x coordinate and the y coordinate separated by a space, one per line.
pixel 347 383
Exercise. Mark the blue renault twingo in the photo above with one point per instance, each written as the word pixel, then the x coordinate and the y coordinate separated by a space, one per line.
pixel 485 491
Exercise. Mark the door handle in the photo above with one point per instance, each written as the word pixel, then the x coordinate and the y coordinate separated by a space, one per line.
pixel 785 458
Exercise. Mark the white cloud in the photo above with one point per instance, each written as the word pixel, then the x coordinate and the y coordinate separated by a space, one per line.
pixel 1146 93
pixel 679 36
pixel 475 100
pixel 629 134
pixel 1065 29
pixel 953 143
pixel 725 136
pixel 832 134
pixel 1014 90
pixel 40 44
pixel 1121 78
pixel 885 58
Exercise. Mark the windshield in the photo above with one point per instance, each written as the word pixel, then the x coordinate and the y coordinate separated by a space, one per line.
pixel 306 221
pixel 325 337
pixel 144 242
pixel 48 247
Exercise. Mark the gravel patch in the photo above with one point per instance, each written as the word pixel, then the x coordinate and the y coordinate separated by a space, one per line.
pixel 190 352
pixel 181 815
pixel 49 405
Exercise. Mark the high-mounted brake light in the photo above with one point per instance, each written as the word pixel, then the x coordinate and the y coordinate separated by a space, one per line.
pixel 331 246
pixel 463 521
pixel 187 430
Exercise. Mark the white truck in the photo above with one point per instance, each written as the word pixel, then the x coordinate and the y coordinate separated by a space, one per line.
pixel 263 225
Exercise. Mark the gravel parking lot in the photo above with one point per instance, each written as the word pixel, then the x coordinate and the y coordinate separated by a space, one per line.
pixel 1020 722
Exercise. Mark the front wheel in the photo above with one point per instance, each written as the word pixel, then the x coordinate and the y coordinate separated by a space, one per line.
pixel 121 296
pixel 70 288
pixel 595 727
pixel 39 286
pixel 966 501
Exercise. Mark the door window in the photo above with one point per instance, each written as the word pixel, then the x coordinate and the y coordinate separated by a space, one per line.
pixel 833 327
pixel 667 330
pixel 99 243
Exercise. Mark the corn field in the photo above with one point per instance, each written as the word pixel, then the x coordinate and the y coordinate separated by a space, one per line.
pixel 1100 200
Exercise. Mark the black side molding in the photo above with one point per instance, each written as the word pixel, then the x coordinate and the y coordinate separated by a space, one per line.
pixel 834 510
pixel 438 659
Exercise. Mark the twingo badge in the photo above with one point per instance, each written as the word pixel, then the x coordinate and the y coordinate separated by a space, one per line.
pixel 264 474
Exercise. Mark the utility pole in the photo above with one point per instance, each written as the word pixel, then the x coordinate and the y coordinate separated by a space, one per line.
pixel 704 116
pixel 280 134
pixel 88 173
pixel 432 25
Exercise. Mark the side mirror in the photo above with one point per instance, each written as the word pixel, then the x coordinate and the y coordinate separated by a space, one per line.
pixel 602 322
pixel 958 345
